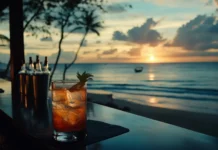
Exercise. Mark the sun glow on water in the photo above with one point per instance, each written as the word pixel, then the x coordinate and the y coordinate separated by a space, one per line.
pixel 153 100
pixel 151 77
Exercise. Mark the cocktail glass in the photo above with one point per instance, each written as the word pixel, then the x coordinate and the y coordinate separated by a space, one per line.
pixel 69 110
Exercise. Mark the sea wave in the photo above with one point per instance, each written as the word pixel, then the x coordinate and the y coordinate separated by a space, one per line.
pixel 180 97
pixel 146 88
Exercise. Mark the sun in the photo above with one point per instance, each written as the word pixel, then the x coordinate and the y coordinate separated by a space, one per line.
pixel 151 58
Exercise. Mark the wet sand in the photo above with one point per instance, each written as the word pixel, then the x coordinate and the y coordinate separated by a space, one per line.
pixel 200 122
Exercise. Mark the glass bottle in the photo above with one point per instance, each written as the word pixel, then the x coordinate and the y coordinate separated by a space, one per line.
pixel 45 66
pixel 30 67
pixel 38 66
pixel 22 81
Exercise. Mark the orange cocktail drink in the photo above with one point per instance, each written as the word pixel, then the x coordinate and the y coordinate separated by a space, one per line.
pixel 68 110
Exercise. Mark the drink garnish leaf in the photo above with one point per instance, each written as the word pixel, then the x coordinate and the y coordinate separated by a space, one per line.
pixel 83 78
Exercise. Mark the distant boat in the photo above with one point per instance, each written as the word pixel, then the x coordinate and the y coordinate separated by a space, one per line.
pixel 138 69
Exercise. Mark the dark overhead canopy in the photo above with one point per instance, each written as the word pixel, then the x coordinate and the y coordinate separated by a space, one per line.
pixel 3 4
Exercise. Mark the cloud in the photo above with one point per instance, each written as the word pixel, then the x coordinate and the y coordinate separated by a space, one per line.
pixel 201 53
pixel 46 39
pixel 199 34
pixel 135 51
pixel 120 36
pixel 65 57
pixel 87 52
pixel 178 3
pixel 109 52
pixel 115 8
pixel 90 52
pixel 144 34
pixel 39 47
pixel 98 42
pixel 4 45
pixel 5 57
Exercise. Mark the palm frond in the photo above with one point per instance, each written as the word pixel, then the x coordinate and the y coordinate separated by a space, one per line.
pixel 97 25
pixel 4 38
pixel 80 23
pixel 91 13
pixel 94 30
pixel 90 21
pixel 77 28
pixel 84 76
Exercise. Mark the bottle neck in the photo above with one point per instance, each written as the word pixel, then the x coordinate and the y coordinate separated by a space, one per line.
pixel 46 61
pixel 23 69
pixel 45 66
pixel 38 67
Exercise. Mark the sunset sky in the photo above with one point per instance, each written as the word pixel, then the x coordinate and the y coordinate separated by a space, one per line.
pixel 151 31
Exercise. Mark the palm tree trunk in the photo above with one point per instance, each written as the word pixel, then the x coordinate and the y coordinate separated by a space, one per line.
pixel 16 46
pixel 58 56
pixel 66 67
pixel 65 70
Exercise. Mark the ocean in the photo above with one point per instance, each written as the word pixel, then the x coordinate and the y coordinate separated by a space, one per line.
pixel 182 86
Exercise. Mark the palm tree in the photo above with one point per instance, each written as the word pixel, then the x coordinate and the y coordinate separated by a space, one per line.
pixel 88 22
pixel 4 39
pixel 63 20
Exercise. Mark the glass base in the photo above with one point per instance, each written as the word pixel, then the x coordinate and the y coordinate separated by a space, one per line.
pixel 69 136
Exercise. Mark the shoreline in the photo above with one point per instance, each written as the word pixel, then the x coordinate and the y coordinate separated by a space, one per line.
pixel 196 121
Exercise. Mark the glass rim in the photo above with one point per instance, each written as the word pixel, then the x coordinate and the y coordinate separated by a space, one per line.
pixel 65 81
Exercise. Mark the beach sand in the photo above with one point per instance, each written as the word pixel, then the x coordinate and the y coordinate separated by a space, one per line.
pixel 200 122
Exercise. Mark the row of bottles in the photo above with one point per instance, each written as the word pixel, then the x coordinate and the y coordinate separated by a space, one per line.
pixel 34 83
pixel 35 68
pixel 33 113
